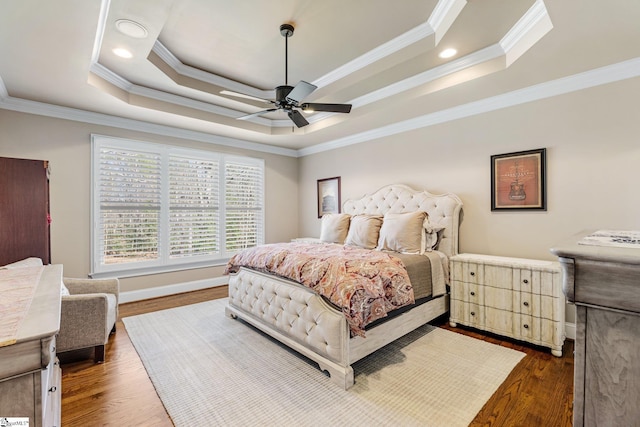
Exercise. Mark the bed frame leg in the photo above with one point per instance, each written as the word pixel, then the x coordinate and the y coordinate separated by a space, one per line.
pixel 229 313
pixel 339 375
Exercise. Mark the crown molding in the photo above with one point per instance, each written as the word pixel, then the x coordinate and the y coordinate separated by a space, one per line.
pixel 596 77
pixel 73 114
pixel 452 67
pixel 585 80
pixel 445 13
pixel 527 23
pixel 186 70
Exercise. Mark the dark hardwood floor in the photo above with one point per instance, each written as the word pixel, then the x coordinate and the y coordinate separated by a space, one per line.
pixel 538 392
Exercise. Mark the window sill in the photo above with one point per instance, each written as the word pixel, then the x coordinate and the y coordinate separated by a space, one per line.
pixel 148 271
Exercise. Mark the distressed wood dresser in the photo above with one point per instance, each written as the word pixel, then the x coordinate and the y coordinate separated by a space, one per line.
pixel 604 283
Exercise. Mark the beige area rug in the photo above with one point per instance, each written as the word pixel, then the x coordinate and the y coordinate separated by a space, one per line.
pixel 211 370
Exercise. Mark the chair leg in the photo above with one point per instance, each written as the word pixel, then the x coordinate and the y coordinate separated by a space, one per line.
pixel 113 330
pixel 99 354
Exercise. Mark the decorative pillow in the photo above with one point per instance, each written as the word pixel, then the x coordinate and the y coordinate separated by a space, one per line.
pixel 364 231
pixel 334 228
pixel 403 232
pixel 432 234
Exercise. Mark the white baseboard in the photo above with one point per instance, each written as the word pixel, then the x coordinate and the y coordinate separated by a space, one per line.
pixel 178 288
pixel 570 330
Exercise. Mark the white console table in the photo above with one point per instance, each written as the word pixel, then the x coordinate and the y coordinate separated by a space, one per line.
pixel 30 375
pixel 604 283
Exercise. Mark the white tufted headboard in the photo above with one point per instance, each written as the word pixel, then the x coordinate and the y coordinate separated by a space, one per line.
pixel 443 209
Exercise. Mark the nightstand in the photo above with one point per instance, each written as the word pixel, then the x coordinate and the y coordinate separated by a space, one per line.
pixel 514 297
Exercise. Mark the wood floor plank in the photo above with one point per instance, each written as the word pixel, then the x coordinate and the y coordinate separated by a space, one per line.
pixel 538 392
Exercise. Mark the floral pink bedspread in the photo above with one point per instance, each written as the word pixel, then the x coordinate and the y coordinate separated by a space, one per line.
pixel 366 284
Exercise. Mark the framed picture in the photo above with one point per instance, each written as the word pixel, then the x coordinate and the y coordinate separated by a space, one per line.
pixel 329 196
pixel 518 181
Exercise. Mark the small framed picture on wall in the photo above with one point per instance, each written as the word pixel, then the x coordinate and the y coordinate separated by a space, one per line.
pixel 329 199
pixel 518 181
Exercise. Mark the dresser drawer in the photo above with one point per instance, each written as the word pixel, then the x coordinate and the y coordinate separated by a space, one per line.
pixel 468 292
pixel 467 272
pixel 467 313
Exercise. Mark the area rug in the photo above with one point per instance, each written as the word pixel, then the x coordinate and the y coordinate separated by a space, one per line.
pixel 211 370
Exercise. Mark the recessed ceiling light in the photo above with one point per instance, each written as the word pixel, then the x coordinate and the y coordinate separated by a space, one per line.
pixel 123 53
pixel 131 28
pixel 448 53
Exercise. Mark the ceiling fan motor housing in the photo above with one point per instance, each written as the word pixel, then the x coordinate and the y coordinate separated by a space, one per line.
pixel 281 94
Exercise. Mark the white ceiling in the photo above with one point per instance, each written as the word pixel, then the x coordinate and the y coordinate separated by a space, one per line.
pixel 379 55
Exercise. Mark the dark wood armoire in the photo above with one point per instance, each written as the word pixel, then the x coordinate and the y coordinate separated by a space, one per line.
pixel 24 210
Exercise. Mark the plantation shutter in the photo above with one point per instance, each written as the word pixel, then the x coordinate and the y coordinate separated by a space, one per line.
pixel 159 208
pixel 194 224
pixel 244 205
pixel 129 191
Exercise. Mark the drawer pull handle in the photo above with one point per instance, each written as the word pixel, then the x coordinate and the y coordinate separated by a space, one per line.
pixel 525 281
pixel 526 326
pixel 526 304
pixel 473 313
pixel 473 293
pixel 52 389
pixel 472 273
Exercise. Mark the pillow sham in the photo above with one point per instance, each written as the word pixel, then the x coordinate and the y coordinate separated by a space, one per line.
pixel 364 231
pixel 403 232
pixel 334 228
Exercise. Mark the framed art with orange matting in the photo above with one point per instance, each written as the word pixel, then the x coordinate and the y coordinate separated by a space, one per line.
pixel 518 181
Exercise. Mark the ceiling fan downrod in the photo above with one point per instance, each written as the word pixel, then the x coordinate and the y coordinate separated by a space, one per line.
pixel 287 31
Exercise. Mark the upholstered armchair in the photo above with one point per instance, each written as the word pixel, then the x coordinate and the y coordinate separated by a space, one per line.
pixel 88 314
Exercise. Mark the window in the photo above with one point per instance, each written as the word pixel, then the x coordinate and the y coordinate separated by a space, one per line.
pixel 162 208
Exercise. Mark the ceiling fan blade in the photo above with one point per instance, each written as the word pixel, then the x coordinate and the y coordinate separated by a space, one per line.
pixel 333 108
pixel 259 113
pixel 242 95
pixel 297 118
pixel 300 91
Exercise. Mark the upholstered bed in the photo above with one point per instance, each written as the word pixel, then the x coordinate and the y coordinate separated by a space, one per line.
pixel 313 325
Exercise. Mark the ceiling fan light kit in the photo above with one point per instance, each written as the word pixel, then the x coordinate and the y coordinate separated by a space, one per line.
pixel 289 98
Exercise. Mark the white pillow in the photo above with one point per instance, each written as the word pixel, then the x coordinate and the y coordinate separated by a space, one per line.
pixel 364 231
pixel 403 232
pixel 334 228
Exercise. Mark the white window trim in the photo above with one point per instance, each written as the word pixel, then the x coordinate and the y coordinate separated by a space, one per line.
pixel 163 264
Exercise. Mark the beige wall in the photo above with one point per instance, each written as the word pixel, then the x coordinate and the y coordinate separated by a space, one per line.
pixel 593 152
pixel 592 139
pixel 67 146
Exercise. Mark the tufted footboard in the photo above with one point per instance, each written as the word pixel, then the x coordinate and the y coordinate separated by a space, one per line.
pixel 296 316
pixel 303 321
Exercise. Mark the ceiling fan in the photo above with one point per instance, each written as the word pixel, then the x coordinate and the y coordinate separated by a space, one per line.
pixel 289 98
